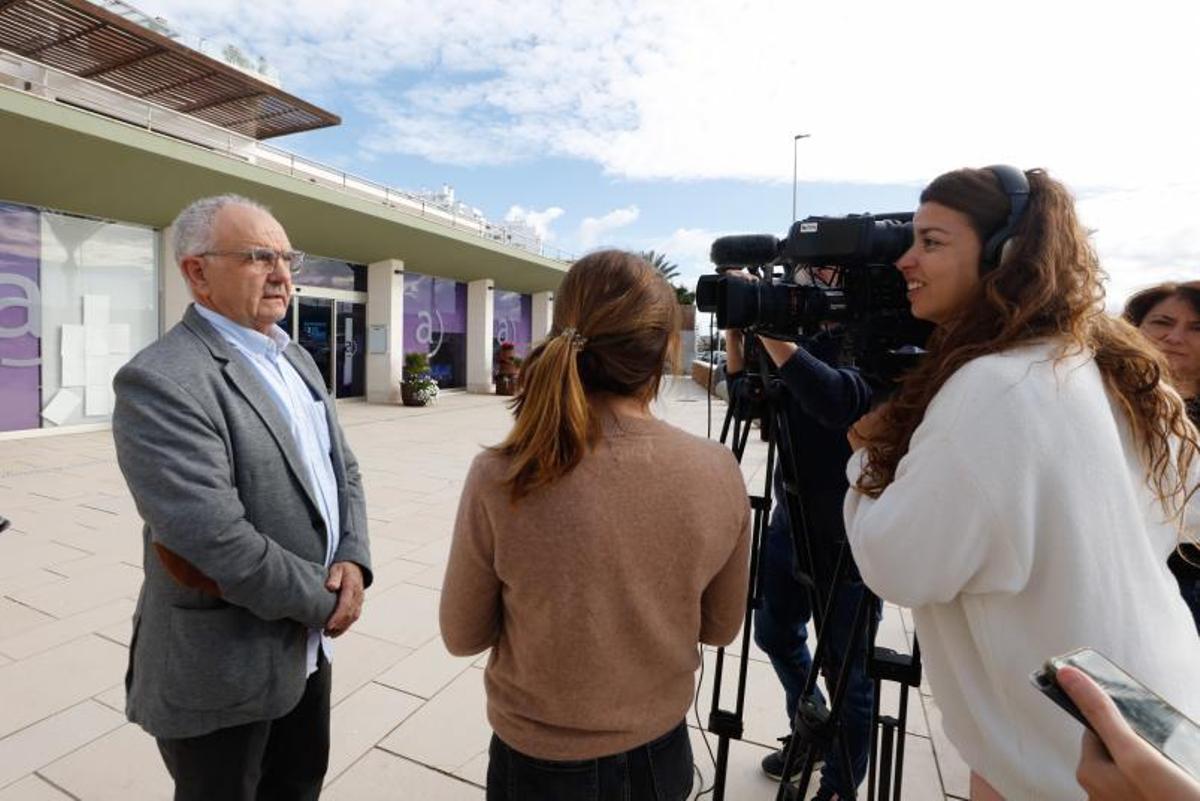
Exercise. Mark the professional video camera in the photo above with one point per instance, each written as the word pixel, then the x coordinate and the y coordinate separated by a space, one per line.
pixel 864 292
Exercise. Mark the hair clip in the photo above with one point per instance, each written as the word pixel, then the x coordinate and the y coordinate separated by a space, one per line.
pixel 574 338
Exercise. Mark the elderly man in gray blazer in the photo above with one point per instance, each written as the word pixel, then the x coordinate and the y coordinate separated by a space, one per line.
pixel 255 523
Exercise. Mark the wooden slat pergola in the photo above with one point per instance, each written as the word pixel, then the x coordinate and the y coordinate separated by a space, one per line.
pixel 94 43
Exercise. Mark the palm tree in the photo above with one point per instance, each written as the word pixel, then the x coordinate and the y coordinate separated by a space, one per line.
pixel 658 261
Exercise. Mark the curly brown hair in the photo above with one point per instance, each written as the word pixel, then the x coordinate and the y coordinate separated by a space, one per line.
pixel 1047 286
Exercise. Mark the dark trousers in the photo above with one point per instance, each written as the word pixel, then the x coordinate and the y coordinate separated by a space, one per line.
pixel 271 760
pixel 660 770
pixel 1189 587
pixel 1187 573
pixel 780 630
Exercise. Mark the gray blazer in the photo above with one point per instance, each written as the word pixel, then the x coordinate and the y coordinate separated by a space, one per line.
pixel 218 481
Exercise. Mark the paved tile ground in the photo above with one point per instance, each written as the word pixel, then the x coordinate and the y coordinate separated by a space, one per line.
pixel 408 718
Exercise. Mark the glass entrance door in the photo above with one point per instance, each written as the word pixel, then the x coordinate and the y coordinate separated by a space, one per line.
pixel 314 333
pixel 334 332
pixel 350 351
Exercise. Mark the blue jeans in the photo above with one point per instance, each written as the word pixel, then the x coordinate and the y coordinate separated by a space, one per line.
pixel 780 631
pixel 660 770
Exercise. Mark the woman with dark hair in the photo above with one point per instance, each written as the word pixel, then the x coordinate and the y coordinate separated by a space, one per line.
pixel 1023 487
pixel 1169 315
pixel 594 549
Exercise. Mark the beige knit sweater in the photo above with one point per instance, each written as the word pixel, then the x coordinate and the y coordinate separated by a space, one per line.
pixel 593 592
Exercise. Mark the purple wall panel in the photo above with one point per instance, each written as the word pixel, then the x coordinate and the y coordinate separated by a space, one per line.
pixel 435 320
pixel 20 313
pixel 512 320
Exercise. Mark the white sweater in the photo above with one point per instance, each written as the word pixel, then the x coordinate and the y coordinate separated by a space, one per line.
pixel 1020 526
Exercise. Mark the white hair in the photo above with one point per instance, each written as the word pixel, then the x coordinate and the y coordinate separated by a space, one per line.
pixel 193 228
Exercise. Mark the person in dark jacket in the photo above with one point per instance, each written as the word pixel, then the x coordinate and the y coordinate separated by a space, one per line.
pixel 825 397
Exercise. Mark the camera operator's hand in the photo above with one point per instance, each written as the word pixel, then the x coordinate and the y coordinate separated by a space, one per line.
pixel 742 275
pixel 1118 765
pixel 868 427
pixel 778 350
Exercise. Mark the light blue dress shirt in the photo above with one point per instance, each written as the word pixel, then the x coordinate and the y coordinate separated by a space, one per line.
pixel 307 423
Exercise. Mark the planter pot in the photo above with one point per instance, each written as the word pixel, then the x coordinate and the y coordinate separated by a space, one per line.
pixel 410 397
pixel 506 384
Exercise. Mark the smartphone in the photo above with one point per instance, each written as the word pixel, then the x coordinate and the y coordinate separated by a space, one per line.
pixel 1173 734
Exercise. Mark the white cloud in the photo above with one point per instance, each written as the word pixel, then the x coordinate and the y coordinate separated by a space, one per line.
pixel 891 92
pixel 1104 95
pixel 1145 235
pixel 593 230
pixel 539 221
pixel 688 248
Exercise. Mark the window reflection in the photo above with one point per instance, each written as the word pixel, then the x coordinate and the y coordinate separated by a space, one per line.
pixel 512 320
pixel 78 297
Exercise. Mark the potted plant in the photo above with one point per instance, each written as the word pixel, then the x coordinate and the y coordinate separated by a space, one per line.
pixel 417 388
pixel 508 369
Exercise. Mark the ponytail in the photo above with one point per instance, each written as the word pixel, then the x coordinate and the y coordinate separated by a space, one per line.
pixel 616 322
pixel 555 424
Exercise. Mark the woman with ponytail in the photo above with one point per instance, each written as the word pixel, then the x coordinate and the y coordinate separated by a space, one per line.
pixel 594 549
pixel 1024 486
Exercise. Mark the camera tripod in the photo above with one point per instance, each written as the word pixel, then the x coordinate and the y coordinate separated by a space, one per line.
pixel 815 728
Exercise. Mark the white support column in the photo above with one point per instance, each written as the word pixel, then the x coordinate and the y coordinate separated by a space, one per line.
pixel 687 338
pixel 385 330
pixel 543 315
pixel 174 295
pixel 480 311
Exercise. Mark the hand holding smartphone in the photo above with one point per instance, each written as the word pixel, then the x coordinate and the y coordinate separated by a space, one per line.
pixel 1164 727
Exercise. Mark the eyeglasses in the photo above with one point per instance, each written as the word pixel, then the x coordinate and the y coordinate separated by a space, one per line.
pixel 264 259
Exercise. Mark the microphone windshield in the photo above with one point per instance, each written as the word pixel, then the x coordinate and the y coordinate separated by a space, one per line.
pixel 745 250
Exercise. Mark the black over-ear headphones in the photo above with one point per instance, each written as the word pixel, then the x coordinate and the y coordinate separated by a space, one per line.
pixel 1016 186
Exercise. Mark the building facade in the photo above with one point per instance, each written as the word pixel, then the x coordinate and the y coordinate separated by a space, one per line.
pixel 96 163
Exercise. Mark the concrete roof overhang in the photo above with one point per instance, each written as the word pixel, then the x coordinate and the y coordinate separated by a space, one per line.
pixel 59 157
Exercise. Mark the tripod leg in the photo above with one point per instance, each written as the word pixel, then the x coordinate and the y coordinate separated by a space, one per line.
pixel 857 634
pixel 729 418
pixel 739 446
pixel 721 769
pixel 729 725
pixel 900 738
pixel 874 765
pixel 799 789
pixel 885 758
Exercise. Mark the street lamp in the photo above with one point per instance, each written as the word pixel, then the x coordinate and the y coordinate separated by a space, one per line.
pixel 795 140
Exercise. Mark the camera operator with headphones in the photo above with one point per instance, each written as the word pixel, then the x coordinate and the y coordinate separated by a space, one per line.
pixel 1023 487
pixel 824 399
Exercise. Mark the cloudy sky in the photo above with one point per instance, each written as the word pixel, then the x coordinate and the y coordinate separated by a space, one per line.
pixel 662 124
